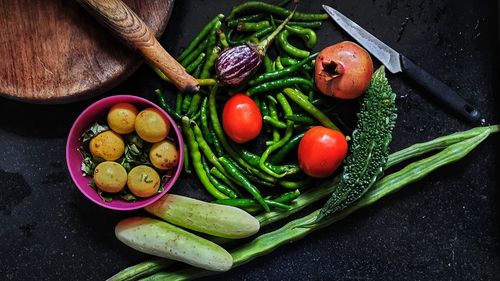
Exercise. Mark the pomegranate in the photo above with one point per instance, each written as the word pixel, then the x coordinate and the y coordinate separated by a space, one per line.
pixel 343 70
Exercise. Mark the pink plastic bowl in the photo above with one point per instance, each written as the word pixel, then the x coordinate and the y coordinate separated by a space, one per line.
pixel 89 116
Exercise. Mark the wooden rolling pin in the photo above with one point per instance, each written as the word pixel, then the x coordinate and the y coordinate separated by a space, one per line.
pixel 127 26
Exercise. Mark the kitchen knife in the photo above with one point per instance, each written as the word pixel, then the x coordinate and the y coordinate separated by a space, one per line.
pixel 396 62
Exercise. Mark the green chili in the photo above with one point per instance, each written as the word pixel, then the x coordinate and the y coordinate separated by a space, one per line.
pixel 178 102
pixel 209 64
pixel 276 10
pixel 186 159
pixel 302 100
pixel 306 34
pixel 268 63
pixel 287 196
pixel 186 102
pixel 234 22
pixel 212 37
pixel 253 26
pixel 194 105
pixel 301 118
pixel 164 104
pixel 279 84
pixel 306 24
pixel 274 123
pixel 282 40
pixel 263 32
pixel 281 73
pixel 236 175
pixel 285 150
pixel 295 184
pixel 220 187
pixel 279 66
pixel 204 121
pixel 287 109
pixel 246 202
pixel 218 147
pixel 196 158
pixel 203 33
pixel 254 160
pixel 274 114
pixel 222 39
pixel 218 174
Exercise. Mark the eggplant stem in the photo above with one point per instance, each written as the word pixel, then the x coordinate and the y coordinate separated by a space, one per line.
pixel 262 46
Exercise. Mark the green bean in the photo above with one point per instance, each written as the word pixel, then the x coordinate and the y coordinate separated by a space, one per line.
pixel 276 10
pixel 288 134
pixel 281 73
pixel 306 24
pixel 282 40
pixel 279 84
pixel 285 150
pixel 192 67
pixel 253 26
pixel 234 22
pixel 143 269
pixel 419 149
pixel 302 100
pixel 301 118
pixel 204 121
pixel 220 186
pixel 192 56
pixel 236 175
pixel 218 174
pixel 274 123
pixel 196 158
pixel 203 33
pixel 306 34
pixel 246 202
pixel 268 63
pixel 164 104
pixel 222 39
pixel 224 142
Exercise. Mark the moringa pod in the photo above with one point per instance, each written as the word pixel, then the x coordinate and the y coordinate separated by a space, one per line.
pixel 237 64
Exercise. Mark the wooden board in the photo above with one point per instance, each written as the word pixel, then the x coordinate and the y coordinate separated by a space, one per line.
pixel 55 52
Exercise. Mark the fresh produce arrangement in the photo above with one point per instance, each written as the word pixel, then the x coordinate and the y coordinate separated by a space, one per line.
pixel 130 155
pixel 260 139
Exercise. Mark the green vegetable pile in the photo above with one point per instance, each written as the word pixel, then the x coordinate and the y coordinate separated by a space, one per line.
pixel 283 89
pixel 236 176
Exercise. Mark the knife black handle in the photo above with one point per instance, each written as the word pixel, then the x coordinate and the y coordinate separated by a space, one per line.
pixel 439 90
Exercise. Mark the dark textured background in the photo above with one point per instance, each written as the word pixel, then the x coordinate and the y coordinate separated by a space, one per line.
pixel 445 227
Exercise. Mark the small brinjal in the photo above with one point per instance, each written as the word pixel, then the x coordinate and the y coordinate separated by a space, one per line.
pixel 236 64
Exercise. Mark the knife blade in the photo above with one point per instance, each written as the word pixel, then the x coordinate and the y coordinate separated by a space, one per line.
pixel 396 62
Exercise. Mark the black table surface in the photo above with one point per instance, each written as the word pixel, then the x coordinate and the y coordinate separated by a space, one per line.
pixel 445 227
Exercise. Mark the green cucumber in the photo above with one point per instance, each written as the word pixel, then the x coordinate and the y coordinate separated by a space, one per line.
pixel 164 240
pixel 214 219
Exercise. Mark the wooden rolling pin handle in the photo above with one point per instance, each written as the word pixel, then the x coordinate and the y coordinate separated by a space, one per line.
pixel 125 24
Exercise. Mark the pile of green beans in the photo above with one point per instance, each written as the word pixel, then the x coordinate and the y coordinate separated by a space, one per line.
pixel 283 89
pixel 451 148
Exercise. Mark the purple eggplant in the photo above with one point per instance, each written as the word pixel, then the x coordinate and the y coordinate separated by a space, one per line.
pixel 236 64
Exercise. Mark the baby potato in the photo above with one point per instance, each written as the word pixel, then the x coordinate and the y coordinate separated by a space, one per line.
pixel 121 118
pixel 164 155
pixel 151 125
pixel 107 145
pixel 110 177
pixel 143 181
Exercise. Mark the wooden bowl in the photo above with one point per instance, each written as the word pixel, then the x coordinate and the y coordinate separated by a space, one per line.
pixel 55 52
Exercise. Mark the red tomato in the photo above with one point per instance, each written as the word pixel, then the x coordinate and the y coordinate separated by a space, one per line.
pixel 321 151
pixel 241 118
